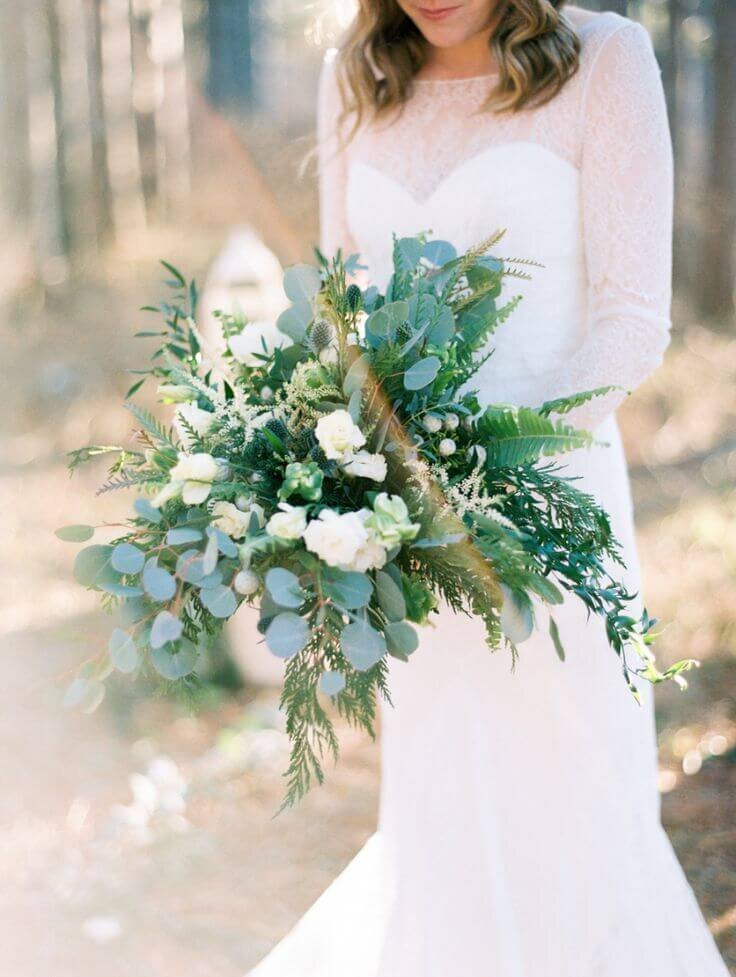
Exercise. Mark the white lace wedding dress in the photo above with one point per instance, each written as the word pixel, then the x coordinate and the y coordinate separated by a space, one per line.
pixel 519 831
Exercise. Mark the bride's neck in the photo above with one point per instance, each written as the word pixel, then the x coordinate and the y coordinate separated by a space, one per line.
pixel 467 60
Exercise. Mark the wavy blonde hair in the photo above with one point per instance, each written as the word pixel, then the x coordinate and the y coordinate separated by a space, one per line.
pixel 536 49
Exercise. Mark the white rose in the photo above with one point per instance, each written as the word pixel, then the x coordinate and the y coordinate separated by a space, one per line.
pixel 451 421
pixel 230 519
pixel 290 523
pixel 200 421
pixel 365 465
pixel 246 583
pixel 447 447
pixel 197 472
pixel 336 539
pixel 338 435
pixel 432 423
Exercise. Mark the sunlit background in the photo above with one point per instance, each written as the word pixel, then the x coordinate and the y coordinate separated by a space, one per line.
pixel 138 839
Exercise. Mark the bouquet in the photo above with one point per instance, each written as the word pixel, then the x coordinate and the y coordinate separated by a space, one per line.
pixel 346 482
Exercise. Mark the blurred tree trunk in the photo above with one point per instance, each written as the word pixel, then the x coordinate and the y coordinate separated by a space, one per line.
pixel 145 97
pixel 63 190
pixel 16 182
pixel 101 190
pixel 233 33
pixel 718 268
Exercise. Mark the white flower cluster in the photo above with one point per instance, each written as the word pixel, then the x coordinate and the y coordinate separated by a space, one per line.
pixel 339 437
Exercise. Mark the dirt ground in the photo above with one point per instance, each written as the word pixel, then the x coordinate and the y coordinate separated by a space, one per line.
pixel 139 839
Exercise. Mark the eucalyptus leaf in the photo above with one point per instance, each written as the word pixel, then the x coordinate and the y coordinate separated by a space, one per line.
pixel 126 591
pixel 422 373
pixel 301 282
pixel 147 511
pixel 401 639
pixel 347 588
pixel 75 534
pixel 332 683
pixel 287 634
pixel 158 583
pixel 123 652
pixel 189 567
pixel 181 535
pixel 284 587
pixel 175 662
pixel 93 567
pixel 362 645
pixel 517 618
pixel 220 601
pixel 390 597
pixel 127 558
pixel 165 628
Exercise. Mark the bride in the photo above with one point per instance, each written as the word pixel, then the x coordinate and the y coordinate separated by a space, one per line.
pixel 519 831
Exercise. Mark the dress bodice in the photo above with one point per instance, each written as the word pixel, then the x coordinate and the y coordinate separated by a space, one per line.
pixel 582 185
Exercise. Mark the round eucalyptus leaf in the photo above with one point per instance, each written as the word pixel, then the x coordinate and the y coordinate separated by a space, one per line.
pixel 443 328
pixel 93 567
pixel 293 322
pixel 287 634
pixel 147 511
pixel 123 652
pixel 174 663
pixel 220 601
pixel 127 558
pixel 158 583
pixel 165 628
pixel 225 545
pixel 348 589
pixel 284 587
pixel 93 696
pixel 301 282
pixel 75 534
pixel 189 566
pixel 183 534
pixel 439 252
pixel 362 645
pixel 517 617
pixel 422 373
pixel 390 597
pixel 75 692
pixel 401 639
pixel 209 557
pixel 332 683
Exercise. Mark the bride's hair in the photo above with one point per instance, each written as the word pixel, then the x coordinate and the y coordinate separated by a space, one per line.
pixel 537 51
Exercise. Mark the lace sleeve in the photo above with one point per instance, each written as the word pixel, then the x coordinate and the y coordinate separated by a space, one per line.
pixel 331 164
pixel 627 189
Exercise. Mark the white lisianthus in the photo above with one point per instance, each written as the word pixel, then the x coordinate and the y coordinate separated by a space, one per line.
pixel 447 447
pixel 231 520
pixel 290 523
pixel 200 421
pixel 246 583
pixel 336 539
pixel 432 424
pixel 365 465
pixel 389 524
pixel 451 422
pixel 196 473
pixel 338 435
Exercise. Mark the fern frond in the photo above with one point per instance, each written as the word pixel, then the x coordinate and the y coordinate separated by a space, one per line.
pixel 520 436
pixel 563 405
